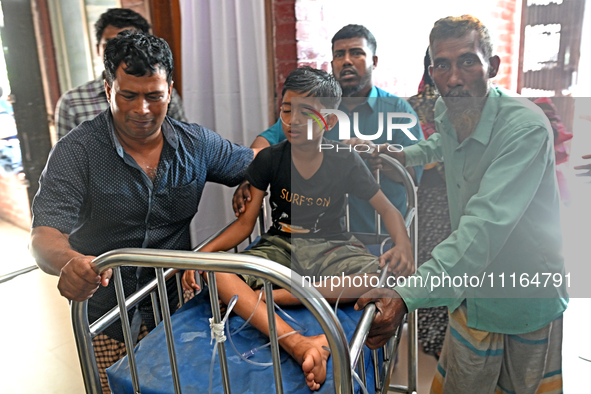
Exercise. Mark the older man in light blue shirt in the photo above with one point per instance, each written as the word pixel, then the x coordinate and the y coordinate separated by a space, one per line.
pixel 501 271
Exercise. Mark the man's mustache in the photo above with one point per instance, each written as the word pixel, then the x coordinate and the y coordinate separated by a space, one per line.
pixel 348 70
pixel 458 93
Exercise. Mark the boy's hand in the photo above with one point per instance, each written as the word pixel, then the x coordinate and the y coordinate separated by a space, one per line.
pixel 241 196
pixel 189 282
pixel 399 260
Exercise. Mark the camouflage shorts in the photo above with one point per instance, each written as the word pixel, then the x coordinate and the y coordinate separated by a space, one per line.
pixel 313 256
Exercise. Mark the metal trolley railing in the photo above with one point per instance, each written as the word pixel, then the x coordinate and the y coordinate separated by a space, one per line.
pixel 382 380
pixel 165 262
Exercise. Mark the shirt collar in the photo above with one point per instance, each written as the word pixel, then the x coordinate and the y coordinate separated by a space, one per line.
pixel 168 132
pixel 485 125
pixel 114 139
pixel 371 100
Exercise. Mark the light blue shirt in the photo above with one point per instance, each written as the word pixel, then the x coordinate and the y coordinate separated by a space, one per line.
pixel 504 210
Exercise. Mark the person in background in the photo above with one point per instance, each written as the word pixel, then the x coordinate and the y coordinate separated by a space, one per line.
pixel 434 225
pixel 505 214
pixel 87 101
pixel 561 136
pixel 353 60
pixel 585 167
pixel 10 152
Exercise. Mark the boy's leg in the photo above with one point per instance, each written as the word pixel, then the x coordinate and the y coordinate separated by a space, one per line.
pixel 532 362
pixel 349 257
pixel 338 268
pixel 470 361
pixel 309 352
pixel 271 247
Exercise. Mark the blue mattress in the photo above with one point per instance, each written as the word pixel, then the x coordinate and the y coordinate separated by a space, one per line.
pixel 193 349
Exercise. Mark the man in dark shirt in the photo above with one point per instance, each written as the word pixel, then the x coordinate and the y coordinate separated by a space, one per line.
pixel 131 177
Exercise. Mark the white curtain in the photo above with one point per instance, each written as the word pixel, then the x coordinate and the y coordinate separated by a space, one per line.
pixel 224 84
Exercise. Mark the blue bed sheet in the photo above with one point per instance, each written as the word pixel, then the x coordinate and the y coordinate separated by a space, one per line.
pixel 193 350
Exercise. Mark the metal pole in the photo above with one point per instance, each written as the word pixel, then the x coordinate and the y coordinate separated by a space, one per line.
pixel 377 215
pixel 413 359
pixel 362 329
pixel 244 264
pixel 391 349
pixel 411 204
pixel 126 330
pixel 217 318
pixel 12 275
pixel 361 368
pixel 273 337
pixel 413 337
pixel 155 308
pixel 179 288
pixel 90 373
pixel 347 213
pixel 108 318
pixel 212 237
pixel 376 372
pixel 168 328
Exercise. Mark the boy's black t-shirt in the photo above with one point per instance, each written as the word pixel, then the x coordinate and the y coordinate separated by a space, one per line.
pixel 313 208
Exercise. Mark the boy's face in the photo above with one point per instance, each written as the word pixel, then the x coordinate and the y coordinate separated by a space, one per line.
pixel 296 110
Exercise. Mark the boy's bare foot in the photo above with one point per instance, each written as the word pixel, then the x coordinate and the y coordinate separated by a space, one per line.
pixel 310 354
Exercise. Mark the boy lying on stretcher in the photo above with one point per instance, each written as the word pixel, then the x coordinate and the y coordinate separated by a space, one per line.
pixel 308 233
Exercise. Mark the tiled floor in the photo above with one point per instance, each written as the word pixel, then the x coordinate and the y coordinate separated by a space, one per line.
pixel 37 350
pixel 38 354
pixel 13 241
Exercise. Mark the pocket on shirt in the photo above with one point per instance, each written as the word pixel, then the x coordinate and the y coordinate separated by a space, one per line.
pixel 179 203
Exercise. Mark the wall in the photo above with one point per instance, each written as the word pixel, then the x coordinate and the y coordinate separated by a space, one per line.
pixel 14 202
pixel 506 22
pixel 284 41
pixel 142 7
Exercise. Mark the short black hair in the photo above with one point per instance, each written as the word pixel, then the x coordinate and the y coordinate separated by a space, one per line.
pixel 456 27
pixel 356 31
pixel 120 17
pixel 141 53
pixel 314 83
